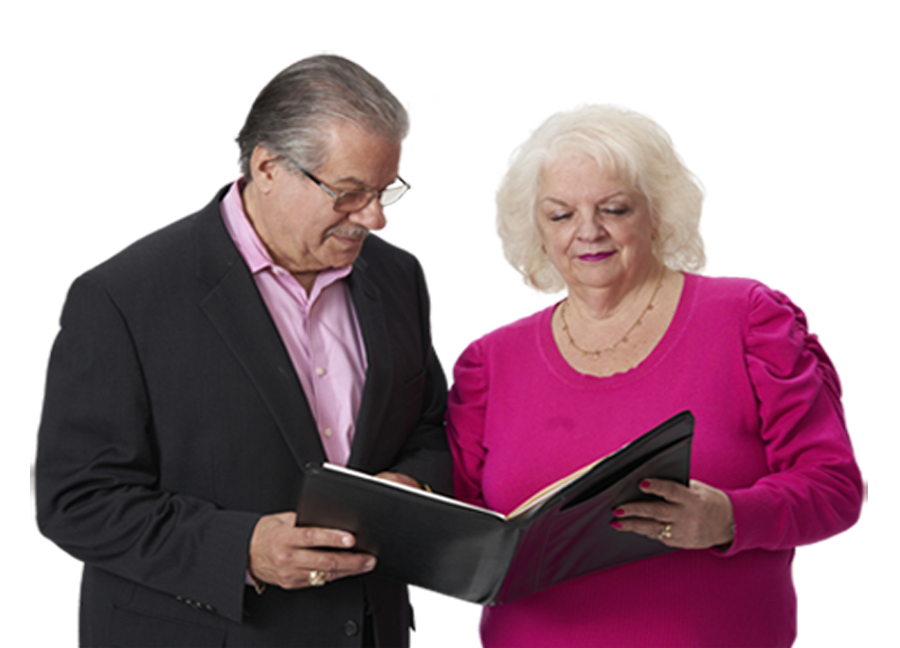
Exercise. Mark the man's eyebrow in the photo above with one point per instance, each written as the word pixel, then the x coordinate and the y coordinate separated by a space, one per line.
pixel 352 180
pixel 361 184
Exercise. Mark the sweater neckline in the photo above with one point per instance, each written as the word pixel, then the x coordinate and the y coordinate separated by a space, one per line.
pixel 563 370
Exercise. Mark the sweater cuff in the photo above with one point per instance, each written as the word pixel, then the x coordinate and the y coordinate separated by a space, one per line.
pixel 746 506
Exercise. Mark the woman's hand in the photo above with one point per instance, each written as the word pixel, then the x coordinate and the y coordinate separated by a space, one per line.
pixel 694 517
pixel 399 478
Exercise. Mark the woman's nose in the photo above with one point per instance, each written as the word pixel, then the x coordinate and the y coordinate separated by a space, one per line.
pixel 592 228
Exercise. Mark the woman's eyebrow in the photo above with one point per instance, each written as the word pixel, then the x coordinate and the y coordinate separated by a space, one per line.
pixel 552 199
pixel 606 198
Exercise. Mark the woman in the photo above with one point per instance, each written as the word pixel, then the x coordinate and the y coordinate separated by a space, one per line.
pixel 597 201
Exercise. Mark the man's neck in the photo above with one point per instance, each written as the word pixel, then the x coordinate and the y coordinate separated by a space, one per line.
pixel 306 279
pixel 250 199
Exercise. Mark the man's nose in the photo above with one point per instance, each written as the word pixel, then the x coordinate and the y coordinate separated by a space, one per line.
pixel 371 216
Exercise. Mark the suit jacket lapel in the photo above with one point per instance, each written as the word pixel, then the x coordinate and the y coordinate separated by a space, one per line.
pixel 236 309
pixel 373 408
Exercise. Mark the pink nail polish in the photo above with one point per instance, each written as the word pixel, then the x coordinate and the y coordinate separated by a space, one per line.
pixel 615 524
pixel 619 512
pixel 645 484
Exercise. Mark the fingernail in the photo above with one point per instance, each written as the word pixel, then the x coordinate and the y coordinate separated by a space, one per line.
pixel 370 564
pixel 619 512
pixel 615 524
pixel 645 484
pixel 347 541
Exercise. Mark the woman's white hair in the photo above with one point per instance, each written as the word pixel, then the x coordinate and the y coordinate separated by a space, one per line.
pixel 637 151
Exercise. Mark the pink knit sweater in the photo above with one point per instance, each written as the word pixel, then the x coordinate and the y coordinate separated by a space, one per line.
pixel 769 432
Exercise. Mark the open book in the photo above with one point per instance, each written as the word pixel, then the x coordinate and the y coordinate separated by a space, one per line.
pixel 471 553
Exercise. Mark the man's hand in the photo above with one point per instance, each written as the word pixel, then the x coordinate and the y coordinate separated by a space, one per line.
pixel 286 555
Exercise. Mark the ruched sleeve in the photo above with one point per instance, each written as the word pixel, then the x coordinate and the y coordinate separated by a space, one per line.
pixel 814 488
pixel 466 411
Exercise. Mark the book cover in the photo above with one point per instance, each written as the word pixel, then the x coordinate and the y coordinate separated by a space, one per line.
pixel 478 555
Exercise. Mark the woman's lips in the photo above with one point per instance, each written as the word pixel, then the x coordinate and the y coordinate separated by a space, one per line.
pixel 597 256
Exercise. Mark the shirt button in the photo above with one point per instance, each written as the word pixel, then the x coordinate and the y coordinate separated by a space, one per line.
pixel 328 432
pixel 320 371
pixel 351 628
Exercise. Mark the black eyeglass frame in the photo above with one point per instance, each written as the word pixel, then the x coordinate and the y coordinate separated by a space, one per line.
pixel 395 192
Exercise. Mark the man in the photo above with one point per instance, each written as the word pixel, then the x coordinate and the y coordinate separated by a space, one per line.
pixel 199 369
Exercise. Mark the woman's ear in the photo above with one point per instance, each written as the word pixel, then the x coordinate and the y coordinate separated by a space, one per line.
pixel 654 224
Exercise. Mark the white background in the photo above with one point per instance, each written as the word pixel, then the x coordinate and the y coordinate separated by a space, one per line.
pixel 817 158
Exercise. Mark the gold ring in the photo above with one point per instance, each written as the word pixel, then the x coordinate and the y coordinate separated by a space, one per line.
pixel 665 531
pixel 317 578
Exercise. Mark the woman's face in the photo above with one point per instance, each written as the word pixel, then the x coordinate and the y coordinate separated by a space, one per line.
pixel 597 231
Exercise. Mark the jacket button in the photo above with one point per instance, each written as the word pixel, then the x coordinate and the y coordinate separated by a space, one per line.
pixel 351 628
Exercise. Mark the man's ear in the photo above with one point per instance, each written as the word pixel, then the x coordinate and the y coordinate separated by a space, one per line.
pixel 263 168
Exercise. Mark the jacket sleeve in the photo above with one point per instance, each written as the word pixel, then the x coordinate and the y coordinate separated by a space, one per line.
pixel 426 456
pixel 814 488
pixel 97 474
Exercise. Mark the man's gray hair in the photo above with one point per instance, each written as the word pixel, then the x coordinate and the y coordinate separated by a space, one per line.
pixel 291 115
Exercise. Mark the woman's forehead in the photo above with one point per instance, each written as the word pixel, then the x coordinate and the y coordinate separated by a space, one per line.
pixel 571 163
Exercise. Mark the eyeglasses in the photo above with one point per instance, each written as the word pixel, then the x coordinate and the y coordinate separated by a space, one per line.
pixel 358 199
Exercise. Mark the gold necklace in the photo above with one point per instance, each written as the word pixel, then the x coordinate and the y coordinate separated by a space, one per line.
pixel 621 340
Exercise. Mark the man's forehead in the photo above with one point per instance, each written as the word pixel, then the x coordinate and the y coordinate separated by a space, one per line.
pixel 358 157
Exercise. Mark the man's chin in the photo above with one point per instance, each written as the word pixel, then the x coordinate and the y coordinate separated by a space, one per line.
pixel 344 254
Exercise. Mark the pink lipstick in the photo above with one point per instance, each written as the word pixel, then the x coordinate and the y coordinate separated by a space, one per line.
pixel 598 256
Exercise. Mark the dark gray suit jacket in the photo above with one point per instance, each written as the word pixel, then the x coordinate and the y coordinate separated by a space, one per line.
pixel 173 419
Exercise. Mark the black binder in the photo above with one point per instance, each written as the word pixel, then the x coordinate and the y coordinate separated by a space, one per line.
pixel 484 557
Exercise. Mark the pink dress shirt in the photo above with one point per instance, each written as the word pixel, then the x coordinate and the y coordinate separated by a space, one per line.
pixel 319 330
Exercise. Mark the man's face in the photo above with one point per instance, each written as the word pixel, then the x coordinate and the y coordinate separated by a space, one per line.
pixel 296 219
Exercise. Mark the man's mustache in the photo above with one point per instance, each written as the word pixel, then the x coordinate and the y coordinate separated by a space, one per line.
pixel 349 231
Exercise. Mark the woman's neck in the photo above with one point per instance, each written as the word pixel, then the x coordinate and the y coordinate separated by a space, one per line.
pixel 603 337
pixel 610 302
